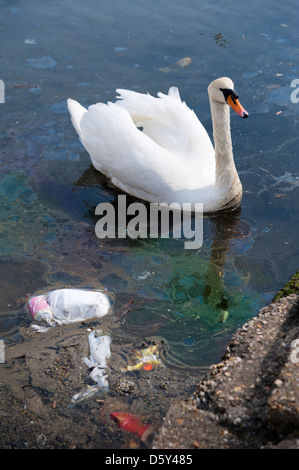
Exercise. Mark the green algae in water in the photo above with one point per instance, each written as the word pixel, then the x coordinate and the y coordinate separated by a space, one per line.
pixel 188 298
pixel 291 287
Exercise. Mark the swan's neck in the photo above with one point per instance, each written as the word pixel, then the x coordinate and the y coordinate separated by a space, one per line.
pixel 226 177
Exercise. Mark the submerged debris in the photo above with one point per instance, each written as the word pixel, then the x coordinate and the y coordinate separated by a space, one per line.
pixel 177 65
pixel 223 316
pixel 130 423
pixel 146 359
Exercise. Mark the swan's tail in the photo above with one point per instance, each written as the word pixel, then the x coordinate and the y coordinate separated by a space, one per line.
pixel 76 111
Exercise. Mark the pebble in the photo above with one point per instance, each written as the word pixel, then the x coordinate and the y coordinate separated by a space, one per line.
pixel 278 383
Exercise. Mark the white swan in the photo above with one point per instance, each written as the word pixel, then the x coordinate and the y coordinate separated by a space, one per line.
pixel 172 158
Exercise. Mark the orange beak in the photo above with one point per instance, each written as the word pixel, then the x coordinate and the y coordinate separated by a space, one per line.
pixel 236 106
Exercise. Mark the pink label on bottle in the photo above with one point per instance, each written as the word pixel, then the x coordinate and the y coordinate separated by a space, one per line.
pixel 38 305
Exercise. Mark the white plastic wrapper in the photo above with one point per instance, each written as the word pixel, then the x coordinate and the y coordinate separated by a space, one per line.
pixel 99 348
pixel 40 329
pixel 85 394
pixel 64 306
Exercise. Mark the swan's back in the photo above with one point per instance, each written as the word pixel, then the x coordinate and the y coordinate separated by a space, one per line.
pixel 169 122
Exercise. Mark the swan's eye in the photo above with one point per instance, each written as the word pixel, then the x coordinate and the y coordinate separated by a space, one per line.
pixel 229 92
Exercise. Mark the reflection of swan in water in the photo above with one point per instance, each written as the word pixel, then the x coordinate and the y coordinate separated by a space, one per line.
pixel 228 228
pixel 212 300
pixel 210 280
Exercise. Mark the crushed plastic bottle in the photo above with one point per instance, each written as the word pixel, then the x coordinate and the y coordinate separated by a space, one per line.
pixel 64 306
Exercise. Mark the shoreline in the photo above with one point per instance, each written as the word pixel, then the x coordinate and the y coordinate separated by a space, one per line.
pixel 251 398
pixel 248 400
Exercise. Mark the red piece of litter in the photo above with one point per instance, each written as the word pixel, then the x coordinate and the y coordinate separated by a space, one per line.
pixel 148 367
pixel 130 423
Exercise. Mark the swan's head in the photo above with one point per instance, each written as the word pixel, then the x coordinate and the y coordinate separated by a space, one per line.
pixel 222 90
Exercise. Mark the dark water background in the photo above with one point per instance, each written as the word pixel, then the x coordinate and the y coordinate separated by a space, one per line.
pixel 48 189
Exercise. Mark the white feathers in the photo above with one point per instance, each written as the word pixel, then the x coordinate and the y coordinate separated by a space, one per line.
pixel 154 148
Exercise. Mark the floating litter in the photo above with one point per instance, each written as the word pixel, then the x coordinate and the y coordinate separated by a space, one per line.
pixel 65 306
pixel 146 359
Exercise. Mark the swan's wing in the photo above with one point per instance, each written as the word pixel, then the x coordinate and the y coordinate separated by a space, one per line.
pixel 171 123
pixel 122 152
pixel 76 111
